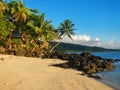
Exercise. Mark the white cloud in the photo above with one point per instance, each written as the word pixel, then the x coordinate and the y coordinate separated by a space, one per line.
pixel 97 39
pixel 111 41
pixel 81 37
pixel 86 40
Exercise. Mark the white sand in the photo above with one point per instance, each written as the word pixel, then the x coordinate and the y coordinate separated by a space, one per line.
pixel 23 73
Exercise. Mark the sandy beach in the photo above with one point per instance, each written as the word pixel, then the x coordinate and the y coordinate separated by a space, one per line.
pixel 24 73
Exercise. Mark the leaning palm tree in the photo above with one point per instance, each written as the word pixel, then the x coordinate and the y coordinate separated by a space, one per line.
pixel 65 29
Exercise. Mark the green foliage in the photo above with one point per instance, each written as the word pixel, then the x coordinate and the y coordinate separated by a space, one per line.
pixel 4 28
pixel 3 8
pixel 31 24
pixel 42 28
pixel 16 40
pixel 66 28
pixel 18 11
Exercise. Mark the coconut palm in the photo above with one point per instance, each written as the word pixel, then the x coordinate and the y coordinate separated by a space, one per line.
pixel 19 15
pixel 43 29
pixel 18 11
pixel 6 28
pixel 65 29
pixel 3 7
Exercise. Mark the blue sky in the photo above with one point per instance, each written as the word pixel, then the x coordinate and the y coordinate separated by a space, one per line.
pixel 96 20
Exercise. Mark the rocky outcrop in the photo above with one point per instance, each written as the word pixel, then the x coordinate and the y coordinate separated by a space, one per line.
pixel 85 62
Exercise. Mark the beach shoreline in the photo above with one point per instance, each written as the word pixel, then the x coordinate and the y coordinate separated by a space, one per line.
pixel 27 73
pixel 111 78
pixel 115 87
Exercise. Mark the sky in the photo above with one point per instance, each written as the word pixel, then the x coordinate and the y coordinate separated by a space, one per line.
pixel 97 22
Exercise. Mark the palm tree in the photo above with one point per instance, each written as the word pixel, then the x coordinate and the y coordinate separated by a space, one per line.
pixel 65 29
pixel 3 8
pixel 48 35
pixel 5 26
pixel 18 11
pixel 19 15
pixel 43 29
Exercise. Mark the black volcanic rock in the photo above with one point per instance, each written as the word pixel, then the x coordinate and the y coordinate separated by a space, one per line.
pixel 85 62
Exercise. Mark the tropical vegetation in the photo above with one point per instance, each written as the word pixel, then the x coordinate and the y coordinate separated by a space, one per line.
pixel 26 29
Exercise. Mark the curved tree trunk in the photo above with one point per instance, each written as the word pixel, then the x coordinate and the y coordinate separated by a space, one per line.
pixel 44 45
pixel 34 47
pixel 33 50
pixel 55 46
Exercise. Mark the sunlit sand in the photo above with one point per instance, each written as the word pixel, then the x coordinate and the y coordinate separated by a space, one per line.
pixel 23 73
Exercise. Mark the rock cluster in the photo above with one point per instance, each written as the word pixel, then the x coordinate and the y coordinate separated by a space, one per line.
pixel 85 62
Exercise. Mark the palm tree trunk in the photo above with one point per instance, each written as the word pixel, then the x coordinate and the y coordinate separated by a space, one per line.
pixel 55 46
pixel 44 45
pixel 33 49
pixel 26 40
pixel 26 43
pixel 10 39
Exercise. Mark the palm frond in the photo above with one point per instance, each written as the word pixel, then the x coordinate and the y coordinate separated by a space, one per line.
pixel 66 28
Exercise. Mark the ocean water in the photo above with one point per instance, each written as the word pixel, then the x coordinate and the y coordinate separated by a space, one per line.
pixel 113 55
pixel 111 78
